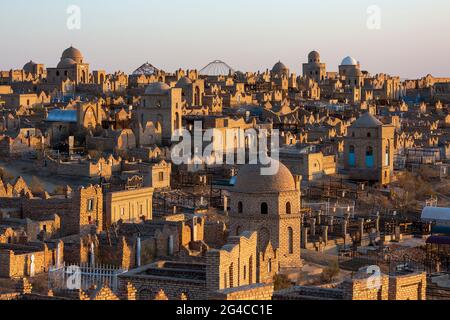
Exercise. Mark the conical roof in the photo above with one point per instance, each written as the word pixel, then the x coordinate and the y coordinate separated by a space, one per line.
pixel 147 69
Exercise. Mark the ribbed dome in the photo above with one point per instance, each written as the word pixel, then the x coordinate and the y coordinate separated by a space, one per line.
pixel 29 66
pixel 367 120
pixel 74 54
pixel 250 180
pixel 280 68
pixel 183 82
pixel 349 61
pixel 157 88
pixel 216 68
pixel 66 63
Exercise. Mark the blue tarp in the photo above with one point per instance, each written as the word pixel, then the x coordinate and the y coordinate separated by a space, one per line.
pixel 58 115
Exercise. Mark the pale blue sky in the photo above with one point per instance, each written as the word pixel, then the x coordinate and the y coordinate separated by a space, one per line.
pixel 247 34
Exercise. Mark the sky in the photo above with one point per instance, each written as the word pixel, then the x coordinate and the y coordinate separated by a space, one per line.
pixel 409 38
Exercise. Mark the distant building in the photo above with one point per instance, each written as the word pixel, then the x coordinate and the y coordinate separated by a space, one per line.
pixel 369 150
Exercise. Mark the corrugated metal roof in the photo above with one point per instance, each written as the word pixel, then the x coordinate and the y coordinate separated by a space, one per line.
pixel 58 115
pixel 436 214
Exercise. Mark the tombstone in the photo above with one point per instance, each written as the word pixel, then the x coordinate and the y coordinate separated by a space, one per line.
pixel 171 245
pixel 312 223
pixel 32 266
pixel 225 204
pixel 325 234
pixel 194 229
pixel 397 233
pixel 138 251
pixel 319 218
pixel 361 226
pixel 344 228
pixel 92 254
pixel 58 255
pixel 305 238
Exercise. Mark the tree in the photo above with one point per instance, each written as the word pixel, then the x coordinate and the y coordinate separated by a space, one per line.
pixel 36 186
pixel 5 175
pixel 59 190
pixel 281 282
pixel 330 273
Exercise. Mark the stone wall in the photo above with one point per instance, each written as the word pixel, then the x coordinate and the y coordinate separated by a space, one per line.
pixel 252 292
pixel 234 265
pixel 129 205
pixel 148 289
pixel 364 289
pixel 15 260
pixel 408 287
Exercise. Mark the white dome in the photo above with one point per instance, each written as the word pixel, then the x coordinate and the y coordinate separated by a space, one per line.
pixel 349 61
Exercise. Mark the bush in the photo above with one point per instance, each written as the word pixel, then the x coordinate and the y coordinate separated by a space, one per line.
pixel 281 282
pixel 36 186
pixel 330 273
pixel 5 175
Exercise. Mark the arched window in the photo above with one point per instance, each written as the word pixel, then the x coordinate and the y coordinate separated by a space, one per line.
pixel 351 156
pixel 230 273
pixel 369 157
pixel 288 208
pixel 264 208
pixel 291 240
pixel 240 207
pixel 387 155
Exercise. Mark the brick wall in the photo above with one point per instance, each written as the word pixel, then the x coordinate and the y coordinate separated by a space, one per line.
pixel 408 287
pixel 253 292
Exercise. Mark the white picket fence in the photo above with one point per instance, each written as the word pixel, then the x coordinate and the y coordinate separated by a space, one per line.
pixel 83 276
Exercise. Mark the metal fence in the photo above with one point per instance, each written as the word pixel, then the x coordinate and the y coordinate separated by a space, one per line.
pixel 83 276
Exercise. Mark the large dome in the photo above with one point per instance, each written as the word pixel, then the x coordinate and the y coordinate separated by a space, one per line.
pixel 183 82
pixel 349 61
pixel 29 66
pixel 313 56
pixel 157 88
pixel 74 54
pixel 280 68
pixel 367 120
pixel 217 68
pixel 66 63
pixel 250 180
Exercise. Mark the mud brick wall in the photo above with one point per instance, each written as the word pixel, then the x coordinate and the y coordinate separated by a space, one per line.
pixel 253 292
pixel 408 287
pixel 147 288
